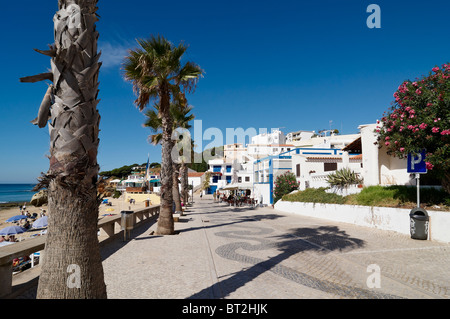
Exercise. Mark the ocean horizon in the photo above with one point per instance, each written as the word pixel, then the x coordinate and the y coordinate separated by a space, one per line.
pixel 16 193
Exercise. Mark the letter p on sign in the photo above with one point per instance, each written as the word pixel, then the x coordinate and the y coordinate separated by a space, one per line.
pixel 416 163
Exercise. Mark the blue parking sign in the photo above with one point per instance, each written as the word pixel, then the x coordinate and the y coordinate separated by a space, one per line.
pixel 416 163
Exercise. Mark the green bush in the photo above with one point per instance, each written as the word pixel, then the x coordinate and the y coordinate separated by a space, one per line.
pixel 284 184
pixel 315 195
pixel 344 178
pixel 376 195
pixel 388 196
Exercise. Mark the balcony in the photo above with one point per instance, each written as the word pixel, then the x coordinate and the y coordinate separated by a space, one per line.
pixel 136 189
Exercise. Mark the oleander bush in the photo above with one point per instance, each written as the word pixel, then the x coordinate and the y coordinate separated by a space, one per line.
pixel 420 119
pixel 284 184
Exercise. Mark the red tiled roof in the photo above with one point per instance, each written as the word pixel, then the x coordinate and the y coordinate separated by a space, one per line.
pixel 196 174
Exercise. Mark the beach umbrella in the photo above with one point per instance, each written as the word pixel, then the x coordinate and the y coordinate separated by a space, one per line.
pixel 16 218
pixel 12 230
pixel 41 222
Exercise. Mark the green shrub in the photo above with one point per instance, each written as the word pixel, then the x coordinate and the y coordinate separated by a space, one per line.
pixel 314 195
pixel 284 184
pixel 388 196
pixel 343 178
pixel 376 195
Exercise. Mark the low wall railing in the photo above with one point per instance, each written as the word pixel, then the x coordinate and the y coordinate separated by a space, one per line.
pixel 109 228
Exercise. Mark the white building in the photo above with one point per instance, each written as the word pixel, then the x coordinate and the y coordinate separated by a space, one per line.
pixel 379 168
pixel 311 167
pixel 234 152
pixel 311 159
pixel 275 137
pixel 299 136
pixel 195 178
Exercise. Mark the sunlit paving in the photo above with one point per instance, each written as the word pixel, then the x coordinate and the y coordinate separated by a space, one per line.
pixel 225 159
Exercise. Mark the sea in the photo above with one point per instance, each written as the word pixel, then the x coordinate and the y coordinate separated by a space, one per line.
pixel 16 193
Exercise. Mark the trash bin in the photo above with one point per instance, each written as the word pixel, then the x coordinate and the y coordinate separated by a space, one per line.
pixel 419 221
pixel 127 220
pixel 147 202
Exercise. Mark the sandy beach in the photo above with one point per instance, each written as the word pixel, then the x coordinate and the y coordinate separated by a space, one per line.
pixel 117 205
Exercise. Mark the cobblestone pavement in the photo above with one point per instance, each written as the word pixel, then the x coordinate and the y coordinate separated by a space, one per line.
pixel 244 253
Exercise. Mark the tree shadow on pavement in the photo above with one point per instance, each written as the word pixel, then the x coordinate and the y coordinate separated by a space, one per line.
pixel 323 239
pixel 234 221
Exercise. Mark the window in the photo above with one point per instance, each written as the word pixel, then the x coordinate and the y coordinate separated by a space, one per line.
pixel 239 179
pixel 228 169
pixel 216 168
pixel 297 170
pixel 329 167
pixel 247 178
pixel 228 179
pixel 215 179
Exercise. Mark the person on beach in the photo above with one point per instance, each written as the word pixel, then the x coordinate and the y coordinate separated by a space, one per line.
pixel 215 196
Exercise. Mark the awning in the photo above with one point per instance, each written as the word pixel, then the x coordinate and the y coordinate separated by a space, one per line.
pixel 238 186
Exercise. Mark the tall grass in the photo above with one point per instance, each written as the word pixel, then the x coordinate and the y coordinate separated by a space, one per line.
pixel 391 196
pixel 315 195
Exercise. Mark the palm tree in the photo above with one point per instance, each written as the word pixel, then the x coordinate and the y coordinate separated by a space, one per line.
pixel 72 267
pixel 181 118
pixel 156 71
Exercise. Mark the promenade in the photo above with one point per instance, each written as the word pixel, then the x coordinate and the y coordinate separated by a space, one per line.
pixel 223 252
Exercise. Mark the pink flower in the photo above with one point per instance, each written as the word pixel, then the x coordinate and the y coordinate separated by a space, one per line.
pixel 387 143
pixel 402 149
pixel 418 91
pixel 387 138
pixel 445 132
pixel 423 126
pixel 435 69
pixel 429 165
pixel 435 129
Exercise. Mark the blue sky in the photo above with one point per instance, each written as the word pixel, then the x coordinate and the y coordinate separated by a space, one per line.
pixel 296 65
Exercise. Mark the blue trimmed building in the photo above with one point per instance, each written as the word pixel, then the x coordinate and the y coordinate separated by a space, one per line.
pixel 267 169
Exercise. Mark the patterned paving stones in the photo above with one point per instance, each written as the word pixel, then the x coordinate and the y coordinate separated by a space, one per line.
pixel 223 252
pixel 243 253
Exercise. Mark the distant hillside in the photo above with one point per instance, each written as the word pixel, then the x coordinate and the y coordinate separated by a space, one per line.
pixel 126 170
pixel 203 166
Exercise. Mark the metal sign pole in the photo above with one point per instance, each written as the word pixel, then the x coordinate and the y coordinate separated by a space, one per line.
pixel 418 189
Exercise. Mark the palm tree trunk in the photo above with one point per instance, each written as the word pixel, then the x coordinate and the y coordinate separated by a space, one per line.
pixel 72 267
pixel 165 221
pixel 176 188
pixel 184 183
